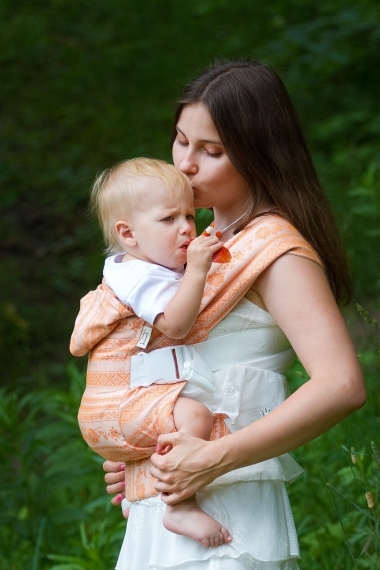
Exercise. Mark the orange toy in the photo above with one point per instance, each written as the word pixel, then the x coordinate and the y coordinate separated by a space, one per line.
pixel 223 254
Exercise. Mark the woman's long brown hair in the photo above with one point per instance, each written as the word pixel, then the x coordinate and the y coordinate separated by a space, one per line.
pixel 260 130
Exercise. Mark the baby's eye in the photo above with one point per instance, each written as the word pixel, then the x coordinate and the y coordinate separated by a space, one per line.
pixel 190 217
pixel 168 219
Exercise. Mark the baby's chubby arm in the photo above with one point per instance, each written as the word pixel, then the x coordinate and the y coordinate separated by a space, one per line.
pixel 182 310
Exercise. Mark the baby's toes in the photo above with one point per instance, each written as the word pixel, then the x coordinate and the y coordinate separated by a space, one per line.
pixel 226 535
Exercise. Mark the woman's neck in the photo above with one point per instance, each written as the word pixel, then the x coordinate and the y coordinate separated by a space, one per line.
pixel 227 222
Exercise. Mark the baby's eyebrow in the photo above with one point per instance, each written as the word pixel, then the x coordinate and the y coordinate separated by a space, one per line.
pixel 172 212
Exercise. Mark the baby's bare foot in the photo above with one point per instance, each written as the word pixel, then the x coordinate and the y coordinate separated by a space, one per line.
pixel 187 519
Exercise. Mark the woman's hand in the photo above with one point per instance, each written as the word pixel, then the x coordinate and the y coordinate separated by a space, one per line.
pixel 115 479
pixel 190 465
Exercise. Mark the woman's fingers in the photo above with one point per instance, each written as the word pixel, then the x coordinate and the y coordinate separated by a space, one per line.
pixel 114 471
pixel 113 466
pixel 162 450
pixel 184 469
pixel 114 478
pixel 162 469
pixel 172 498
pixel 166 442
pixel 116 501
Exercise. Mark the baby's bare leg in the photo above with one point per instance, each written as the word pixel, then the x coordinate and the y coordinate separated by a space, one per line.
pixel 186 518
pixel 192 417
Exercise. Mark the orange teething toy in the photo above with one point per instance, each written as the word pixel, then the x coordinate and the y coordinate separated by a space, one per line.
pixel 222 255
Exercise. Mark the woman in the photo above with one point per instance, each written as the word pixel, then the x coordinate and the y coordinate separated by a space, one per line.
pixel 238 140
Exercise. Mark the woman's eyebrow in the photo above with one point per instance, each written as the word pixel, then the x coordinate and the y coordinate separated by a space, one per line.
pixel 210 141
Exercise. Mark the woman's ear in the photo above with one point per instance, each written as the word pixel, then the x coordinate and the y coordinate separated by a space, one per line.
pixel 125 233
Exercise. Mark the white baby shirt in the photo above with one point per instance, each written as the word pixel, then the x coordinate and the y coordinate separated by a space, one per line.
pixel 145 287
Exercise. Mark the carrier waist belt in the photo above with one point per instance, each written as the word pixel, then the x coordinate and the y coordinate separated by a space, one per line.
pixel 196 363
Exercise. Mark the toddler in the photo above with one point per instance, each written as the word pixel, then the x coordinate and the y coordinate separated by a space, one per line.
pixel 146 211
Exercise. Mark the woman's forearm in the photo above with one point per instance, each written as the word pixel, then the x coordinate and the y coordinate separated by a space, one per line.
pixel 313 409
pixel 310 411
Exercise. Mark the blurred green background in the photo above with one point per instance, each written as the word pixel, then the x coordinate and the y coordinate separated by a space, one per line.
pixel 85 84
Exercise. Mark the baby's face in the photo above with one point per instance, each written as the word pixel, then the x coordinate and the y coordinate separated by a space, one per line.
pixel 164 226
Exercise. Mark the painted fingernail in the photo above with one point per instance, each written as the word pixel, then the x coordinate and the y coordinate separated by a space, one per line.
pixel 122 467
pixel 119 498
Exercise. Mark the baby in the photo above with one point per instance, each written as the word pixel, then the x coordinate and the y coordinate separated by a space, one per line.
pixel 146 211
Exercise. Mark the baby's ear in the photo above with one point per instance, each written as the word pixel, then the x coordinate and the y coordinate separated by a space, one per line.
pixel 125 232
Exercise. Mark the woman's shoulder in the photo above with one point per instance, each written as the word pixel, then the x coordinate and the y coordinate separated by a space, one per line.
pixel 274 235
pixel 271 222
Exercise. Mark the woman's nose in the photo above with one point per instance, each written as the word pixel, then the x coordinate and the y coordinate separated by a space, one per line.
pixel 187 163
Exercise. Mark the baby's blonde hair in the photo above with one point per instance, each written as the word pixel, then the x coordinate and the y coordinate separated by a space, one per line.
pixel 117 192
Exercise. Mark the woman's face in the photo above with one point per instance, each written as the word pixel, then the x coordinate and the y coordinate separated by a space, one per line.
pixel 199 153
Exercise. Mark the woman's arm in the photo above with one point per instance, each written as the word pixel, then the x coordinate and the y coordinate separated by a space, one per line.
pixel 297 295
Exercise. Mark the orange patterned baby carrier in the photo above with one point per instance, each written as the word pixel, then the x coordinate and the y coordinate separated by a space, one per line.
pixel 109 331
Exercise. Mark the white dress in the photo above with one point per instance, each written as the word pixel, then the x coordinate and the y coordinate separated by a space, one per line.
pixel 251 502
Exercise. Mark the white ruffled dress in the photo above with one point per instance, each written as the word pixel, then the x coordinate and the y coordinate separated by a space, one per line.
pixel 251 502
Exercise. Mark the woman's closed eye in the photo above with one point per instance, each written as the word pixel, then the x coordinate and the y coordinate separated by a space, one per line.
pixel 181 140
pixel 210 150
pixel 214 154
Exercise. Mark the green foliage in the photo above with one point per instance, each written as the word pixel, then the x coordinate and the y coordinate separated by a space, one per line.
pixel 337 527
pixel 203 218
pixel 93 551
pixel 366 316
pixel 52 492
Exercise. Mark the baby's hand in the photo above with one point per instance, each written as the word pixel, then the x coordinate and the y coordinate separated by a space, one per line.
pixel 201 250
